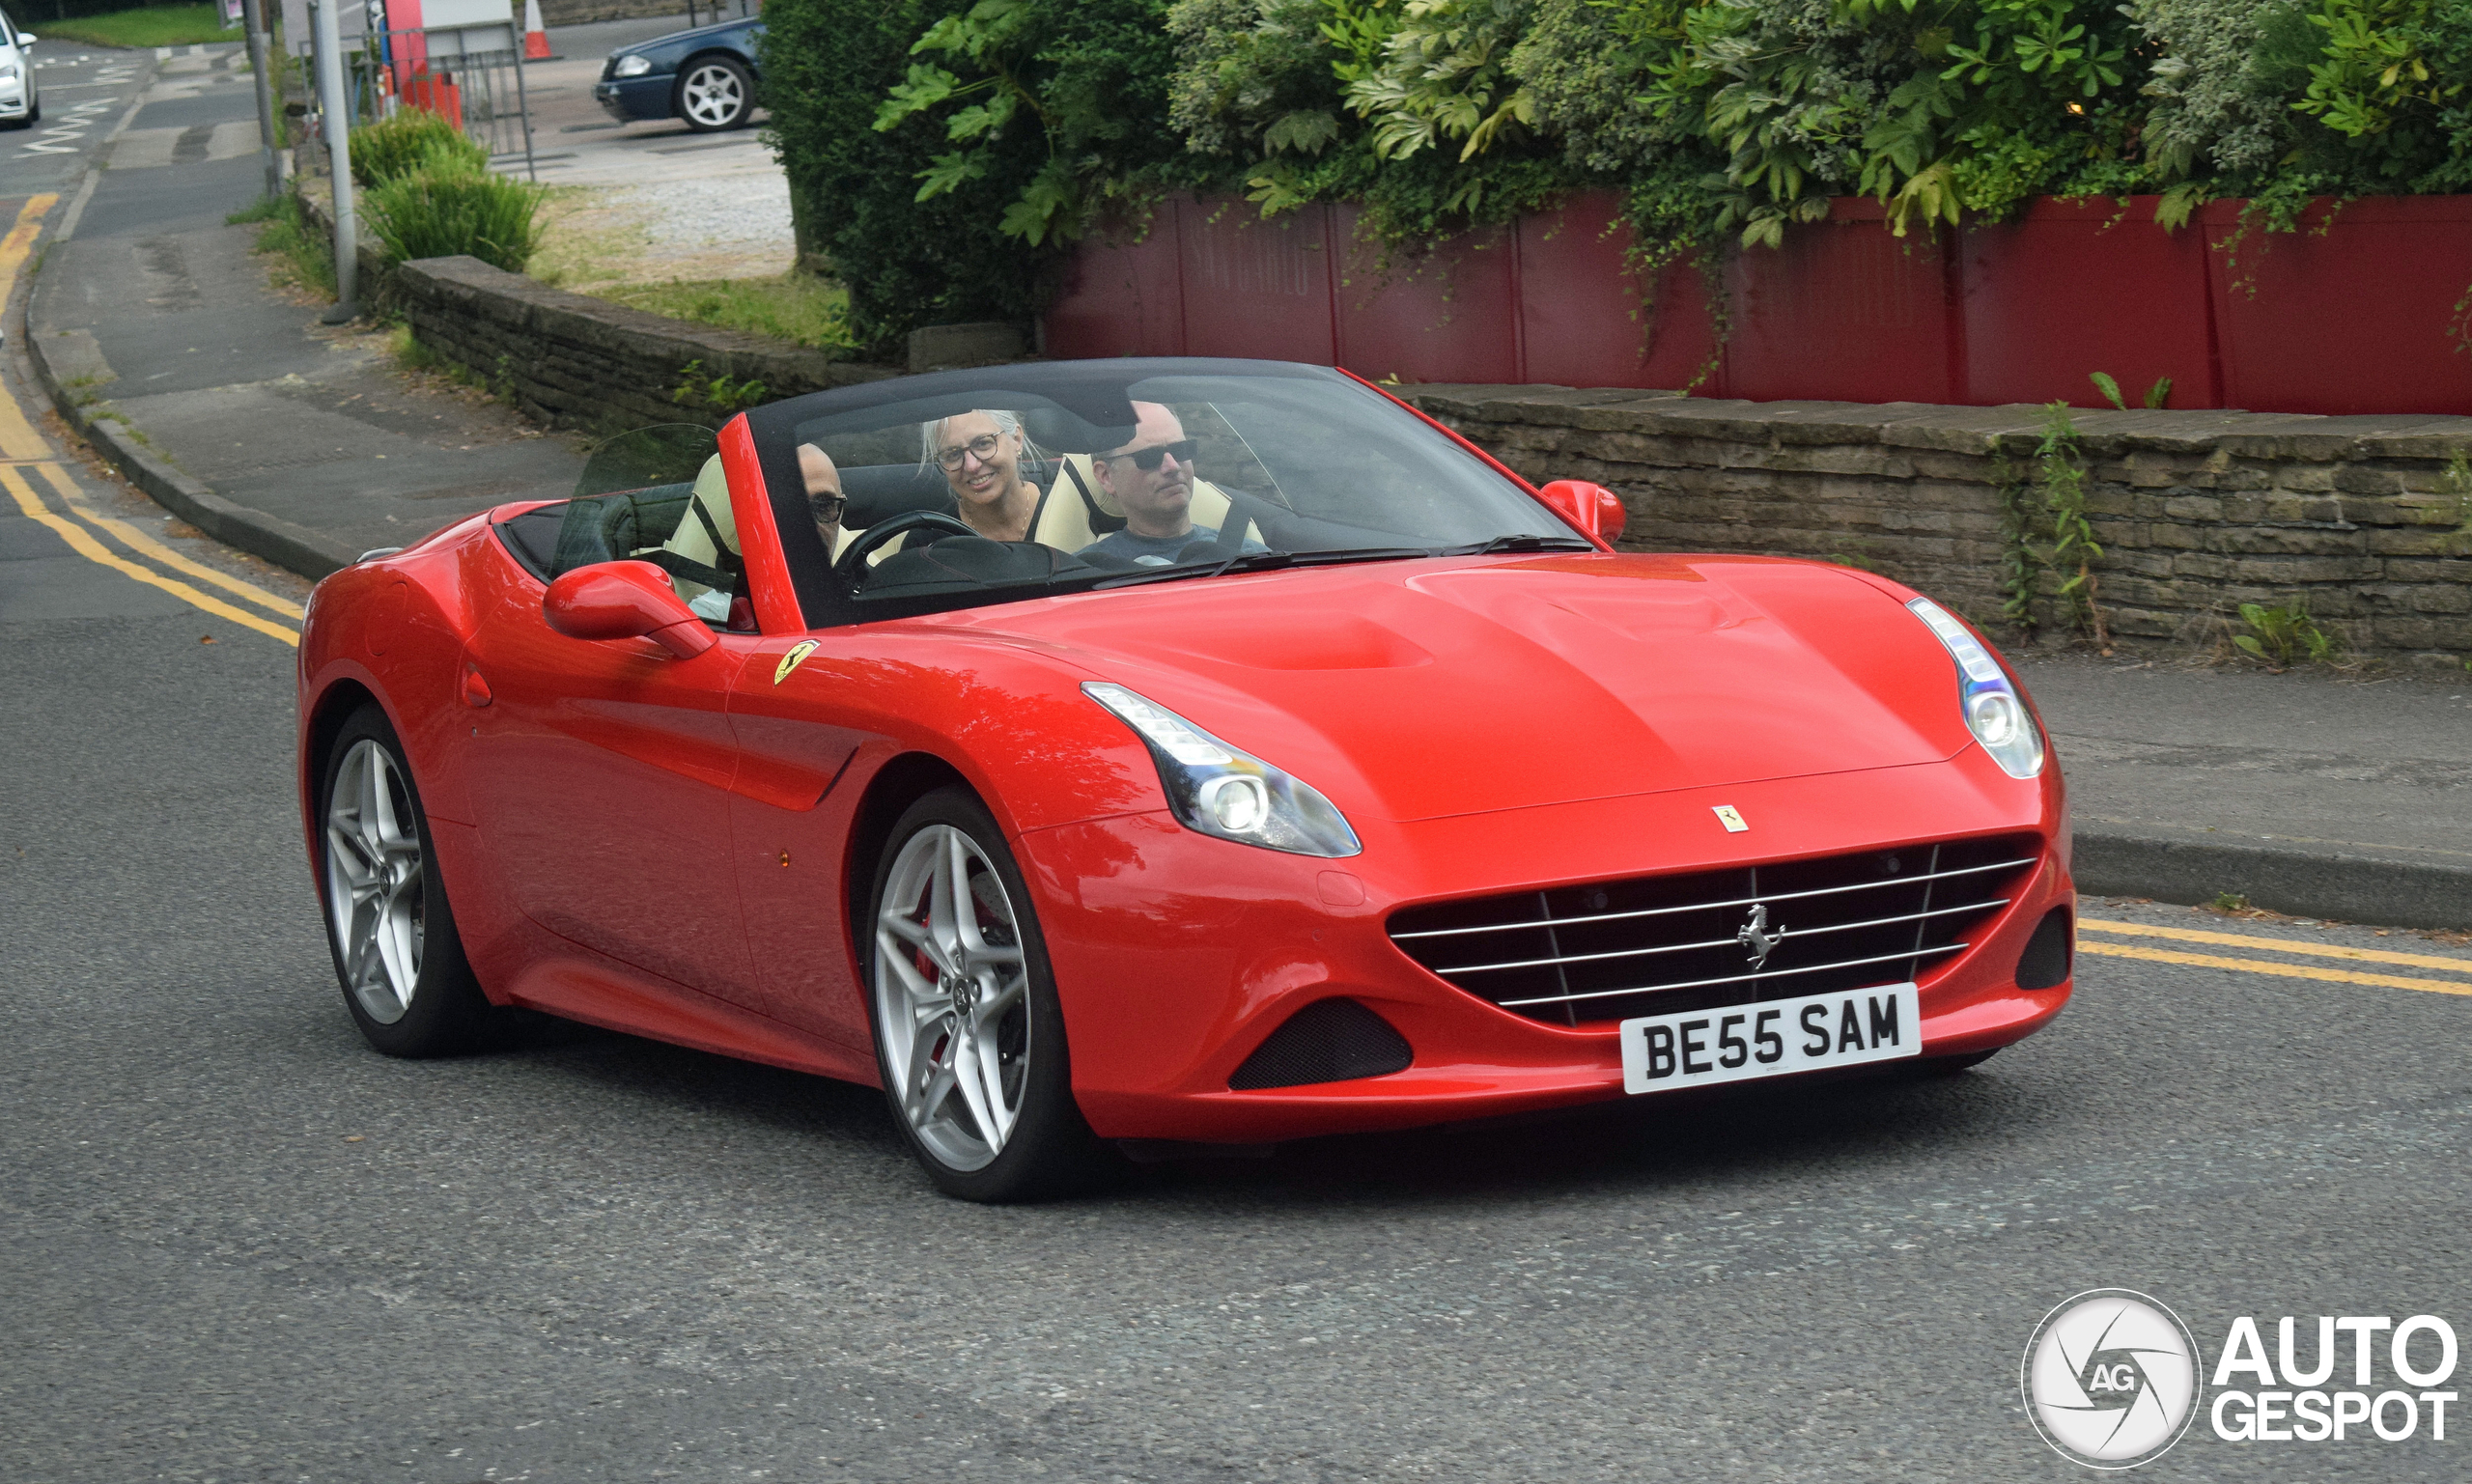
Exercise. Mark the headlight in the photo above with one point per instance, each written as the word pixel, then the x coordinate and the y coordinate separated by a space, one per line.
pixel 631 67
pixel 1994 711
pixel 1220 791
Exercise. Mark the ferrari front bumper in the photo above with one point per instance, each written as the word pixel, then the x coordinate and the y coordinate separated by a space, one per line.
pixel 1169 984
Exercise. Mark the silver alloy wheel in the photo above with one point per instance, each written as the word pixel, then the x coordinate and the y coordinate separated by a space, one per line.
pixel 713 95
pixel 373 882
pixel 951 1000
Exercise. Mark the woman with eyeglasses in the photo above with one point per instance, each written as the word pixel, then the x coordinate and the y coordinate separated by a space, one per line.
pixel 981 455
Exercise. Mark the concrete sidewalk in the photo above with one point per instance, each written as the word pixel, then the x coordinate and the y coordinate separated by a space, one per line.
pixel 2309 793
pixel 160 336
pixel 2327 797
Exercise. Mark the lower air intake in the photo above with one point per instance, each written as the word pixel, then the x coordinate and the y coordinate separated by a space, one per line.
pixel 1328 1041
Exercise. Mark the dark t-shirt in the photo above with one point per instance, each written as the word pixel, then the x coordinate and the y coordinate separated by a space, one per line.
pixel 1157 551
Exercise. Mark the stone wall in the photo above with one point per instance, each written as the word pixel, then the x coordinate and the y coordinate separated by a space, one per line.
pixel 572 361
pixel 572 13
pixel 2357 518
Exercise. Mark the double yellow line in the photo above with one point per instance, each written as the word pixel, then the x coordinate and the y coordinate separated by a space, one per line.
pixel 2284 945
pixel 28 454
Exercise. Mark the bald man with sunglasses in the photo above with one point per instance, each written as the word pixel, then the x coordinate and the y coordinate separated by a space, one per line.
pixel 1151 479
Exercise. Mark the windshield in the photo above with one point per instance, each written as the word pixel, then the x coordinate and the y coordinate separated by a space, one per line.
pixel 992 485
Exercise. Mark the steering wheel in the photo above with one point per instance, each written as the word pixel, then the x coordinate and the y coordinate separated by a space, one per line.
pixel 852 565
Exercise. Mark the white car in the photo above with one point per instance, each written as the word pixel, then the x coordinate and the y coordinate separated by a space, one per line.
pixel 20 103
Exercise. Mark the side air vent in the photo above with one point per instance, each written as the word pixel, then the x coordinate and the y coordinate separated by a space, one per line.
pixel 2045 962
pixel 1328 1041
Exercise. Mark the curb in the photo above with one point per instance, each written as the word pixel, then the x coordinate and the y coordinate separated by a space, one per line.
pixel 2334 887
pixel 293 547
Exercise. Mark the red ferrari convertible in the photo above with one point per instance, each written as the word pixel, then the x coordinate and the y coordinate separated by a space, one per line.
pixel 1200 752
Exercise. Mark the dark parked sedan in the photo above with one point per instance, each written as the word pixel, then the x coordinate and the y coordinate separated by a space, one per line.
pixel 705 76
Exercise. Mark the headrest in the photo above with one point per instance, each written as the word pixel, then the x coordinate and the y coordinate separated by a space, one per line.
pixel 879 491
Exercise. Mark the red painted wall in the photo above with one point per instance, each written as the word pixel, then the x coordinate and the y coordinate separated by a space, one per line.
pixel 2357 313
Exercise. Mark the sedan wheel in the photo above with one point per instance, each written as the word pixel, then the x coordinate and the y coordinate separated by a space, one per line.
pixel 968 1035
pixel 396 951
pixel 715 94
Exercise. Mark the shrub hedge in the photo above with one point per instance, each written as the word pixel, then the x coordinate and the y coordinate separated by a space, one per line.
pixel 941 154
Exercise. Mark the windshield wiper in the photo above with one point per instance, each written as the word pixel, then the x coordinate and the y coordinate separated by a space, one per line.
pixel 1269 561
pixel 1521 542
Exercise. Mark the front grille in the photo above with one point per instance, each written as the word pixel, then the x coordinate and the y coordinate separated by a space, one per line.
pixel 1611 950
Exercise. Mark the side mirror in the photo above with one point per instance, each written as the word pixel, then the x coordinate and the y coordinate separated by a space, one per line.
pixel 625 601
pixel 25 39
pixel 1592 508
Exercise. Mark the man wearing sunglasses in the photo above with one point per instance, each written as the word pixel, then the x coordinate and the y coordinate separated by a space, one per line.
pixel 1151 479
pixel 824 492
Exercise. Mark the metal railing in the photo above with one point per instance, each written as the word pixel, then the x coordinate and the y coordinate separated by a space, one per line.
pixel 482 91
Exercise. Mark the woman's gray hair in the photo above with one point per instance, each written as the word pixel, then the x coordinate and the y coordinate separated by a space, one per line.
pixel 931 431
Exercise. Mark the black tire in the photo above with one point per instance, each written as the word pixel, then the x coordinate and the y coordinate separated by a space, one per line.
pixel 1048 1150
pixel 714 93
pixel 445 1012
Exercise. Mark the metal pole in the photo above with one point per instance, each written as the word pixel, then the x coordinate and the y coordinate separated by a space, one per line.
pixel 261 70
pixel 523 107
pixel 336 105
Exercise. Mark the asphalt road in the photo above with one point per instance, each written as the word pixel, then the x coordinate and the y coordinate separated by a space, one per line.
pixel 235 1246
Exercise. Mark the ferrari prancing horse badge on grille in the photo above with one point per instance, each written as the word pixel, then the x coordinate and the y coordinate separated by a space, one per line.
pixel 1731 817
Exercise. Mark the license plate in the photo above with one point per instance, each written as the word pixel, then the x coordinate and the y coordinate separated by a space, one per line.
pixel 1772 1038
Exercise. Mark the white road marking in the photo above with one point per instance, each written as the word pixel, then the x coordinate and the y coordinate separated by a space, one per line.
pixel 61 137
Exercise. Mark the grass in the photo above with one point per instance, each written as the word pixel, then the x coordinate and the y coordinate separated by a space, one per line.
pixel 153 25
pixel 796 307
pixel 447 207
pixel 306 257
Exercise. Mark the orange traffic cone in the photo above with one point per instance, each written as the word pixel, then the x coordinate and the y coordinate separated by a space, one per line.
pixel 536 38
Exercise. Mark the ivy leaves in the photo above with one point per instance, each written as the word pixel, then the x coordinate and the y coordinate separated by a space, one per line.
pixel 2373 66
pixel 1036 87
pixel 1935 107
pixel 1443 75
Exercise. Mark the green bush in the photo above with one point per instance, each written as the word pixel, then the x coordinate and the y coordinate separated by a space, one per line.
pixel 939 151
pixel 393 148
pixel 854 190
pixel 443 207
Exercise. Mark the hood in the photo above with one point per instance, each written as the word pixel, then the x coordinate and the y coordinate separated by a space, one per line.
pixel 700 32
pixel 1425 690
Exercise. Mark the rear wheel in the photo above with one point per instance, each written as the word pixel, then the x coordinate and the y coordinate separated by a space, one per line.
pixel 716 93
pixel 969 1037
pixel 397 954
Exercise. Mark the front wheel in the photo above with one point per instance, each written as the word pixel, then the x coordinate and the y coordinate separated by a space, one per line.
pixel 397 954
pixel 716 93
pixel 969 1037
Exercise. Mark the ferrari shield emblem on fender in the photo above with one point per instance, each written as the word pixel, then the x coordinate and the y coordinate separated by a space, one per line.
pixel 1731 817
pixel 796 657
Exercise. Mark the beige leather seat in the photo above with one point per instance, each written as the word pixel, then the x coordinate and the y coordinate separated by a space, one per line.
pixel 1077 512
pixel 707 536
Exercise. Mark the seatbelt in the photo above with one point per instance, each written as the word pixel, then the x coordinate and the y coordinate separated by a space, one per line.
pixel 1100 520
pixel 727 560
